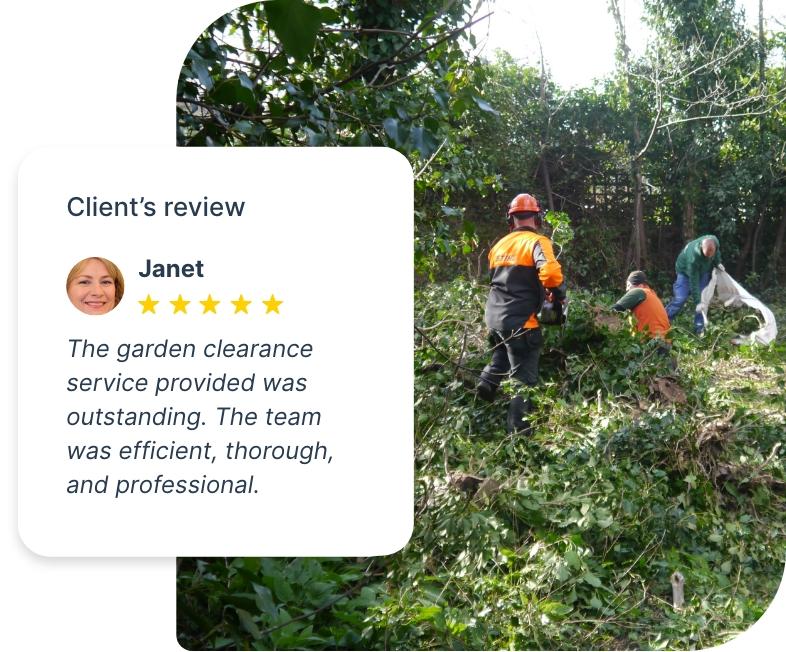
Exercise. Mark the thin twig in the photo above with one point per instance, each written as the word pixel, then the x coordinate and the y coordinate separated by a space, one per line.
pixel 431 158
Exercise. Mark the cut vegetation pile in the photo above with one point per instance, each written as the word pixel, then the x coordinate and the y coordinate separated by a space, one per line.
pixel 570 538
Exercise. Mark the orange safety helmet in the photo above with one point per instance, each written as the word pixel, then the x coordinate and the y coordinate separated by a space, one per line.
pixel 524 202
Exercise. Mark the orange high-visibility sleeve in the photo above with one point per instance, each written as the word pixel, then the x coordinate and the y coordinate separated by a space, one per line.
pixel 550 274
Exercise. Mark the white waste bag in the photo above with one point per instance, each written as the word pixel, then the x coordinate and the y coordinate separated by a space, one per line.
pixel 732 294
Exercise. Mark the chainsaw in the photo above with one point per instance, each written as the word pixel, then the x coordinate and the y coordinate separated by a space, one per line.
pixel 553 313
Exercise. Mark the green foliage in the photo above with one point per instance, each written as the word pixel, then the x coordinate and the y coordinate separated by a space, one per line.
pixel 572 542
pixel 439 239
pixel 263 604
pixel 296 24
pixel 291 72
pixel 561 231
pixel 314 73
pixel 565 539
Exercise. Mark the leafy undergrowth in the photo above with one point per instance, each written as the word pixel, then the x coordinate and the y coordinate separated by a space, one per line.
pixel 564 539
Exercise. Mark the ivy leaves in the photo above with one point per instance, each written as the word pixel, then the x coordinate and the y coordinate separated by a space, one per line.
pixel 590 516
pixel 601 504
pixel 273 603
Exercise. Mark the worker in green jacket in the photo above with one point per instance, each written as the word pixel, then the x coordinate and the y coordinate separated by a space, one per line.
pixel 694 268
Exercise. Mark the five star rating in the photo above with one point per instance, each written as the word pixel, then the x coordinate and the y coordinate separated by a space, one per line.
pixel 210 305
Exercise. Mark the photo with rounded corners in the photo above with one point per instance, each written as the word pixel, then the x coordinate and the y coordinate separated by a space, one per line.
pixel 644 506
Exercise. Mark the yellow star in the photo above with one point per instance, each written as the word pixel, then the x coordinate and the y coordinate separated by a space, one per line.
pixel 272 304
pixel 148 305
pixel 209 304
pixel 180 304
pixel 241 305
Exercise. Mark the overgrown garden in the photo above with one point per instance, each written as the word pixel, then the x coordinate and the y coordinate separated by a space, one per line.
pixel 635 471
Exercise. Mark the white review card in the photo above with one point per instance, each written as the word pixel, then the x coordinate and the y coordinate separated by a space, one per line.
pixel 215 352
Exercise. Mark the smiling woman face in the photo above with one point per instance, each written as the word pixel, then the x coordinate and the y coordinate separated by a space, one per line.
pixel 92 289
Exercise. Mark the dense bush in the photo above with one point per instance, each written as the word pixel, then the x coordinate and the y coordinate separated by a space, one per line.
pixel 565 539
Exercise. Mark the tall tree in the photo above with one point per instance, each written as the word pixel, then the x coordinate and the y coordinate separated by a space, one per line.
pixel 707 57
pixel 638 254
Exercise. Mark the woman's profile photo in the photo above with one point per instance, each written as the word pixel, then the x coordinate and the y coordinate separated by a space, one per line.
pixel 95 285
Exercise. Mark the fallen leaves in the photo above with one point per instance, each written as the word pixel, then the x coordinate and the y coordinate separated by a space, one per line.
pixel 667 389
pixel 604 319
pixel 477 488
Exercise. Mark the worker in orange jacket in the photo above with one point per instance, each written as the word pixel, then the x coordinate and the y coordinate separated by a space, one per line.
pixel 523 272
pixel 648 311
pixel 649 315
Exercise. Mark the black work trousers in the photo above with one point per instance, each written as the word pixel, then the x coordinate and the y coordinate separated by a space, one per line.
pixel 515 354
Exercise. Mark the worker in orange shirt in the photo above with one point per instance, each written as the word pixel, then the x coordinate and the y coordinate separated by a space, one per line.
pixel 523 272
pixel 649 315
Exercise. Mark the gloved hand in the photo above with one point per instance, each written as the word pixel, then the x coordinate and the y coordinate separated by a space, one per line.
pixel 700 307
pixel 558 293
pixel 721 268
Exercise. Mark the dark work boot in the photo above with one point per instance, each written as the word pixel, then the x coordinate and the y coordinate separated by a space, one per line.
pixel 486 391
pixel 518 409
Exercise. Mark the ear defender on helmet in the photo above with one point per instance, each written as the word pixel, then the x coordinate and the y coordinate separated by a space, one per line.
pixel 539 218
pixel 525 203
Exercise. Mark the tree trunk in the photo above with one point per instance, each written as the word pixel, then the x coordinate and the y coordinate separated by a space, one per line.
pixel 762 87
pixel 638 219
pixel 630 255
pixel 739 271
pixel 777 249
pixel 545 109
pixel 756 239
pixel 546 181
pixel 639 242
pixel 762 75
pixel 688 221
